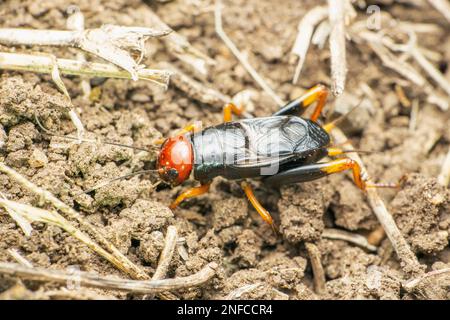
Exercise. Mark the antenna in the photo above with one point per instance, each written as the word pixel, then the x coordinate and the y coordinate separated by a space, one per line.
pixel 92 140
pixel 105 183
pixel 330 125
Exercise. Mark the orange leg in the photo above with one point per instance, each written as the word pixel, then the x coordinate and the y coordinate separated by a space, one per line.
pixel 334 151
pixel 329 126
pixel 342 165
pixel 265 215
pixel 346 164
pixel 194 127
pixel 318 170
pixel 317 93
pixel 231 108
pixel 159 141
pixel 190 193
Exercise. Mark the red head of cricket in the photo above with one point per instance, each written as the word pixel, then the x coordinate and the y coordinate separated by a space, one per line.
pixel 175 160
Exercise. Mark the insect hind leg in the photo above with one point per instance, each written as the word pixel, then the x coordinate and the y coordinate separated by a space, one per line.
pixel 318 170
pixel 317 93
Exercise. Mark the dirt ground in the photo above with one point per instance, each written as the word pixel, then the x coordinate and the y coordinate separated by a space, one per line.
pixel 221 226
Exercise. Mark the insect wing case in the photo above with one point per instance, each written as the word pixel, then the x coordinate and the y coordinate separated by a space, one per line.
pixel 254 147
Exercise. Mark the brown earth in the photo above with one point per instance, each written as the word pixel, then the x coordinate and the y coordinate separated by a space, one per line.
pixel 221 226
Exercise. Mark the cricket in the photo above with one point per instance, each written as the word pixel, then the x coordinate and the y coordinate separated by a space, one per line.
pixel 206 151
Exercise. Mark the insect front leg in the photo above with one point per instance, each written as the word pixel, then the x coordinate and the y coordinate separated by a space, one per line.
pixel 317 93
pixel 318 170
pixel 190 193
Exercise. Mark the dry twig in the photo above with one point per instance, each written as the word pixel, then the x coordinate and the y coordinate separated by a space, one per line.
pixel 336 11
pixel 407 258
pixel 115 256
pixel 95 281
pixel 238 292
pixel 178 46
pixel 242 59
pixel 412 49
pixel 354 238
pixel 19 258
pixel 165 258
pixel 305 32
pixel 75 22
pixel 32 214
pixel 45 64
pixel 379 44
pixel 109 42
pixel 166 254
pixel 443 6
pixel 195 89
pixel 316 264
pixel 444 175
pixel 411 284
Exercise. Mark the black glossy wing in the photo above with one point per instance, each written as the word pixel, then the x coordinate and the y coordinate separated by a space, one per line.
pixel 242 148
pixel 277 140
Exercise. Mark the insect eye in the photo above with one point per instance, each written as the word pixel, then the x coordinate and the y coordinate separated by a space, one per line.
pixel 172 173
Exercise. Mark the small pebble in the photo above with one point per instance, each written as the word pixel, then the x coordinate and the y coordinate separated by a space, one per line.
pixel 38 159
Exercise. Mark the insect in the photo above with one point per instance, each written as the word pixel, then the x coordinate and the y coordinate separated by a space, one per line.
pixel 280 149
pixel 283 148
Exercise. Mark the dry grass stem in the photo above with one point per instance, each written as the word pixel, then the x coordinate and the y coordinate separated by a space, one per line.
pixel 354 238
pixel 305 32
pixel 118 259
pixel 56 77
pixel 165 258
pixel 414 115
pixel 411 284
pixel 316 264
pixel 237 293
pixel 96 281
pixel 75 22
pixel 195 89
pixel 178 46
pixel 336 12
pixel 408 260
pixel 242 59
pixel 23 223
pixel 109 42
pixel 392 62
pixel 33 214
pixel 444 175
pixel 319 38
pixel 417 54
pixel 408 72
pixel 19 258
pixel 166 254
pixel 443 6
pixel 45 64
